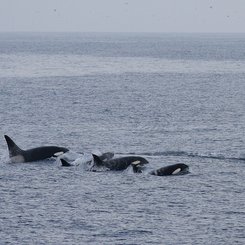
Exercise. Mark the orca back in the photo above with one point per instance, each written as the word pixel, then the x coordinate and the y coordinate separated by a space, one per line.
pixel 122 163
pixel 41 153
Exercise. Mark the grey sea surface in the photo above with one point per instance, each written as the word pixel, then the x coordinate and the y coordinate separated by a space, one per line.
pixel 171 98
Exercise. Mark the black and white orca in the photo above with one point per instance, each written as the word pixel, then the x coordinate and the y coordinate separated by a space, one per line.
pixel 18 155
pixel 176 169
pixel 119 164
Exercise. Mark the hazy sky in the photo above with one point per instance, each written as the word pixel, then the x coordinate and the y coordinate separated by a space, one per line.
pixel 123 15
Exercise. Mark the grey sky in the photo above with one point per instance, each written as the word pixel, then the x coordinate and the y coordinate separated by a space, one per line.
pixel 123 15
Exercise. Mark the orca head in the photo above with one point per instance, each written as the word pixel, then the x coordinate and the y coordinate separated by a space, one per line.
pixel 16 154
pixel 143 161
pixel 179 169
pixel 184 168
pixel 176 169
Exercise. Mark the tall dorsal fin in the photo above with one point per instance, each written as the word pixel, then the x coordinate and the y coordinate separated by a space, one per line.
pixel 14 150
pixel 97 160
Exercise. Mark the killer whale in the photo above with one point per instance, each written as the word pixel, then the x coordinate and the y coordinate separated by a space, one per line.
pixel 118 164
pixel 175 169
pixel 18 155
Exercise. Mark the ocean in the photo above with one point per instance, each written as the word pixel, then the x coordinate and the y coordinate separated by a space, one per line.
pixel 171 98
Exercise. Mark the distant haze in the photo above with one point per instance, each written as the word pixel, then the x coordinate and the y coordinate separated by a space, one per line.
pixel 122 15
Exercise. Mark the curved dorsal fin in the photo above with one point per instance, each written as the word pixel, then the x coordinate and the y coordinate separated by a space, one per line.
pixel 65 163
pixel 97 160
pixel 14 150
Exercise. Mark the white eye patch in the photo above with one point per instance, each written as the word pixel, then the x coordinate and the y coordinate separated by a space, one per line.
pixel 58 153
pixel 176 171
pixel 135 162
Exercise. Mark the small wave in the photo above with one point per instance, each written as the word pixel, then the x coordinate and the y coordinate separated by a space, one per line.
pixel 43 65
pixel 160 153
pixel 183 154
pixel 5 159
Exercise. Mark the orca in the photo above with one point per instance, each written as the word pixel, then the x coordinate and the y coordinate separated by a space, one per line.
pixel 118 164
pixel 18 155
pixel 176 169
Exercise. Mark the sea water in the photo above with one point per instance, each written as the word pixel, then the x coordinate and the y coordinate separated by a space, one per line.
pixel 171 98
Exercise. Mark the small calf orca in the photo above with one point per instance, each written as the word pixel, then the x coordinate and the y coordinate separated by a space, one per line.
pixel 176 169
pixel 118 164
pixel 18 155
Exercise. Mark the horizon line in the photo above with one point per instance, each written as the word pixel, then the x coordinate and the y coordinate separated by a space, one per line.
pixel 129 32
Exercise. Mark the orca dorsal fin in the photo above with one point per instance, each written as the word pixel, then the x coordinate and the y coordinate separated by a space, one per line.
pixel 65 163
pixel 97 160
pixel 14 150
pixel 107 156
